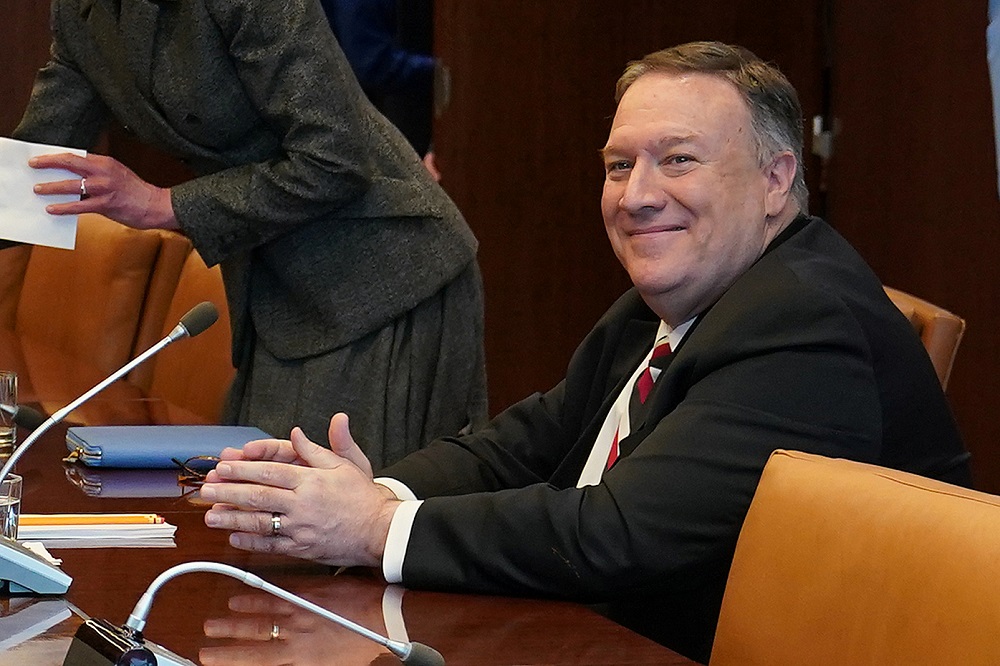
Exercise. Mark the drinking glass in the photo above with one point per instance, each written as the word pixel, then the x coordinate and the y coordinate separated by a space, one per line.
pixel 8 401
pixel 10 505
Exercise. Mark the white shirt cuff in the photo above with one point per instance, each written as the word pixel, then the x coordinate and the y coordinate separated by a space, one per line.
pixel 397 540
pixel 398 488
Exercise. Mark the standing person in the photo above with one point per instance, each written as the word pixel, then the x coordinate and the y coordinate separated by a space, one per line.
pixel 628 482
pixel 350 275
pixel 390 45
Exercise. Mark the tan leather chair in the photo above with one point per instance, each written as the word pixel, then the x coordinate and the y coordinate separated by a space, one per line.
pixel 193 376
pixel 86 302
pixel 163 279
pixel 13 264
pixel 76 314
pixel 940 330
pixel 844 563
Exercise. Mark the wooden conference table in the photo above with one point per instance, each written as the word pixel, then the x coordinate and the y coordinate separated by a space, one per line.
pixel 212 619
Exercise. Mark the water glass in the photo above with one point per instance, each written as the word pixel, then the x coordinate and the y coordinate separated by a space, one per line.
pixel 8 402
pixel 10 505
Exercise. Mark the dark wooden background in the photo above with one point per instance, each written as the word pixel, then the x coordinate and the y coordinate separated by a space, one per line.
pixel 912 181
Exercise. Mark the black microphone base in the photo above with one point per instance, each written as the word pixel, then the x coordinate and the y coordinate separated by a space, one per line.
pixel 100 643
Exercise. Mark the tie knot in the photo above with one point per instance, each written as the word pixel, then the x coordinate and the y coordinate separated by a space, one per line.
pixel 660 353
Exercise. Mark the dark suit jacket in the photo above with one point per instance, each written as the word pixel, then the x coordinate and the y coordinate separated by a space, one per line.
pixel 803 352
pixel 326 223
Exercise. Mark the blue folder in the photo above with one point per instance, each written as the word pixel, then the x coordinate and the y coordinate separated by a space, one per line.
pixel 154 447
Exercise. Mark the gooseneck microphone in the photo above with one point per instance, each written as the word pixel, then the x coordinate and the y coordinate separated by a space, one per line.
pixel 21 568
pixel 417 654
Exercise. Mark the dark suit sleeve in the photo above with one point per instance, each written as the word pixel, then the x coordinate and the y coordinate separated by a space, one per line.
pixel 503 455
pixel 793 372
pixel 64 108
pixel 290 66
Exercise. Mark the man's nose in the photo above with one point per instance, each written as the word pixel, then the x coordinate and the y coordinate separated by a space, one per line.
pixel 643 191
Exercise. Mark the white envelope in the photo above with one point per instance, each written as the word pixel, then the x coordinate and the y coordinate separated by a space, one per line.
pixel 22 212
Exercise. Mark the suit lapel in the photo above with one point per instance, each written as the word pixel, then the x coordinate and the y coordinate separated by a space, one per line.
pixel 664 397
pixel 662 400
pixel 635 341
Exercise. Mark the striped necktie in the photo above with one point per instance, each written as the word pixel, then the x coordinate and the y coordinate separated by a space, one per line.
pixel 640 393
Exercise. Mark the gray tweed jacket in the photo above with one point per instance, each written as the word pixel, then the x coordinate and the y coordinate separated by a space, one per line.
pixel 325 222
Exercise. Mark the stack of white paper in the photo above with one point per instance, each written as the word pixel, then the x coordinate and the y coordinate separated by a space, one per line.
pixel 97 530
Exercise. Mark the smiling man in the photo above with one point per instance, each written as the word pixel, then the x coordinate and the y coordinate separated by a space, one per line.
pixel 752 327
pixel 691 198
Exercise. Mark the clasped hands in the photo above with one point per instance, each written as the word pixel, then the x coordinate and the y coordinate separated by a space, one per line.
pixel 331 510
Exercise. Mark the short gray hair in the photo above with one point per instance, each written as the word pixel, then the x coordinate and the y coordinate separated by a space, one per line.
pixel 775 113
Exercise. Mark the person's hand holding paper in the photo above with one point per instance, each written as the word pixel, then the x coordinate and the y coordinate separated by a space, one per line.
pixel 23 214
pixel 102 184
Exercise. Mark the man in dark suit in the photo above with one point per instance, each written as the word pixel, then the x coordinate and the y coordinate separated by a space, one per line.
pixel 623 485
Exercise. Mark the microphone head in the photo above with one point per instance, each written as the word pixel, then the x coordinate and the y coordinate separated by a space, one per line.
pixel 423 655
pixel 199 318
pixel 28 417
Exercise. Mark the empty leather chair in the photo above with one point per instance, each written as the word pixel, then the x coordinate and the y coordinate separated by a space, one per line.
pixel 840 562
pixel 76 315
pixel 87 302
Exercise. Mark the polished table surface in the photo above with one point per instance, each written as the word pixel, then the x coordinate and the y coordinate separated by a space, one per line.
pixel 212 619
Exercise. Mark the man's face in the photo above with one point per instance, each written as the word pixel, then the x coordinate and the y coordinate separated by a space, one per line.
pixel 685 202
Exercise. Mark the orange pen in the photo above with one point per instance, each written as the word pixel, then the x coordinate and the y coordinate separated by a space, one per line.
pixel 90 519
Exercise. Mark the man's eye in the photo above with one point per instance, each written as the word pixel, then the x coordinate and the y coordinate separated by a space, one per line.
pixel 679 159
pixel 618 165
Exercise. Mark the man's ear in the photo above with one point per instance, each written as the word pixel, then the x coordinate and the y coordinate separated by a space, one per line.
pixel 780 173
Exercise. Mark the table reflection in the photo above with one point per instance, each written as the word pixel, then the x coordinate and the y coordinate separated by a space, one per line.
pixel 262 629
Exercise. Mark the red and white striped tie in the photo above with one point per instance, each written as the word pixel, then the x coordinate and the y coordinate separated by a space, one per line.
pixel 640 393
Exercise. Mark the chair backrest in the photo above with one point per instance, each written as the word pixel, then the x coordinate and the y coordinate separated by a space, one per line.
pixel 940 330
pixel 163 279
pixel 845 563
pixel 71 318
pixel 193 376
pixel 87 302
pixel 13 264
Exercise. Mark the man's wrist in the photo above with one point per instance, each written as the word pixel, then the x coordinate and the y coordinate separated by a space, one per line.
pixel 380 531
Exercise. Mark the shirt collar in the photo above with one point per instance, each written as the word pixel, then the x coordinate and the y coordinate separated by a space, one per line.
pixel 673 335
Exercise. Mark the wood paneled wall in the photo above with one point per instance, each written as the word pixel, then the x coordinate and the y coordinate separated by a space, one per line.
pixel 24 33
pixel 913 180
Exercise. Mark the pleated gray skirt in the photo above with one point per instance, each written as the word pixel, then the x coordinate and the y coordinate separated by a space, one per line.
pixel 423 376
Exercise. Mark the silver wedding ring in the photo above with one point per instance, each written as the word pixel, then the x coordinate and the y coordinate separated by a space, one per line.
pixel 83 187
pixel 275 524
